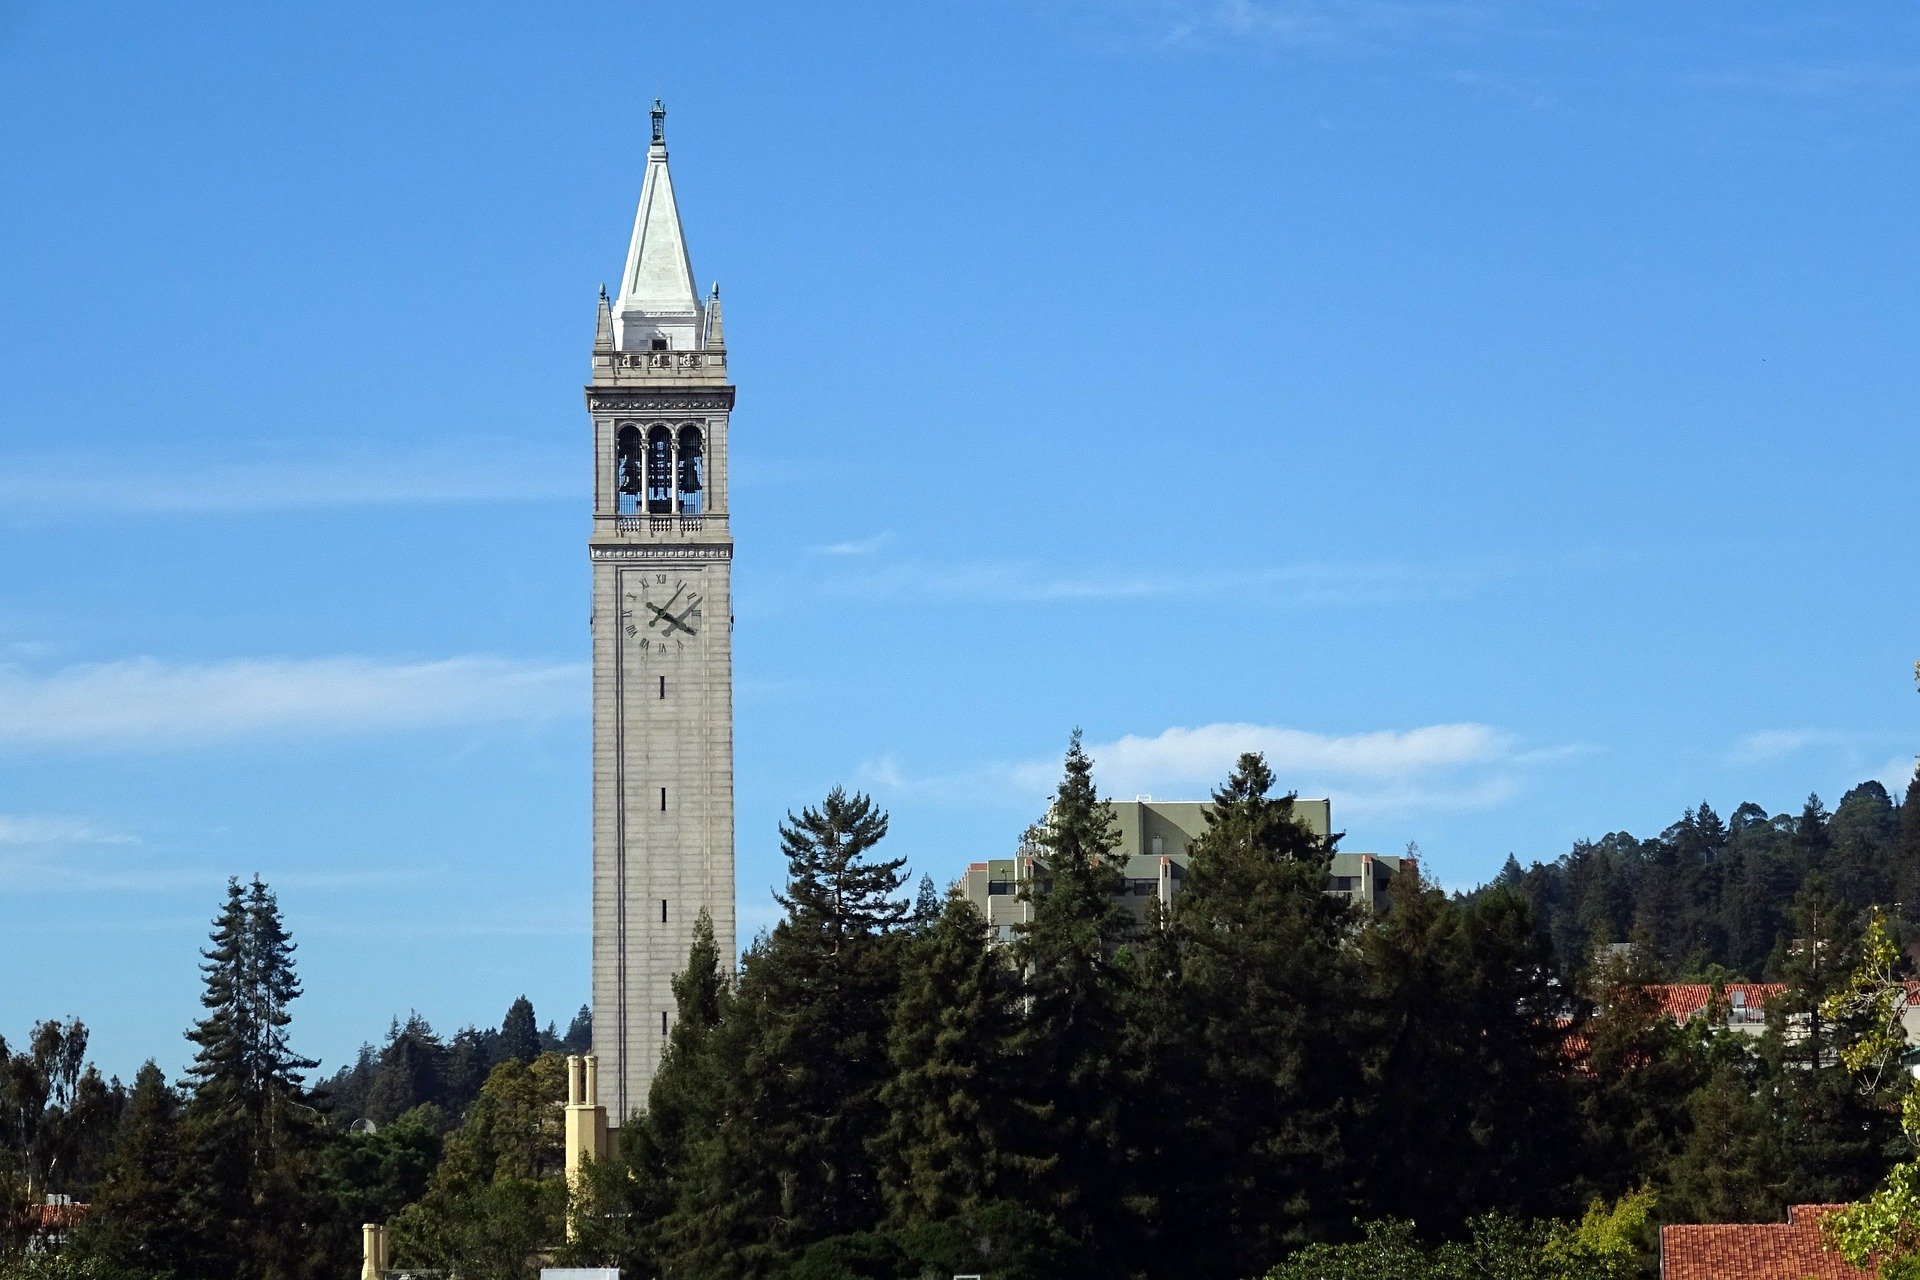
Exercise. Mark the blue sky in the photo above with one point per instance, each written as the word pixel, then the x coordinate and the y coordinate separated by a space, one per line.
pixel 1500 413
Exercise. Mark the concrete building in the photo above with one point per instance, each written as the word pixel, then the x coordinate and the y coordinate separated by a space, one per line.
pixel 662 552
pixel 1156 837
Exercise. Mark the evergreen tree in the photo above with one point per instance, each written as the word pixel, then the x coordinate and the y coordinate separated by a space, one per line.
pixel 1075 993
pixel 1865 834
pixel 411 1072
pixel 498 1197
pixel 802 1054
pixel 373 1176
pixel 137 1221
pixel 1268 986
pixel 1810 839
pixel 1641 1071
pixel 519 1033
pixel 926 905
pixel 1728 1170
pixel 251 1134
pixel 1907 859
pixel 1832 1136
pixel 629 1212
pixel 470 1057
pixel 947 1147
pixel 579 1037
pixel 1462 996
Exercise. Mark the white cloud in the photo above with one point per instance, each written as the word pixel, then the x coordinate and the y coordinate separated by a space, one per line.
pixel 37 832
pixel 855 546
pixel 1770 745
pixel 1443 767
pixel 1204 755
pixel 85 483
pixel 1820 80
pixel 1895 774
pixel 1314 24
pixel 1304 585
pixel 148 701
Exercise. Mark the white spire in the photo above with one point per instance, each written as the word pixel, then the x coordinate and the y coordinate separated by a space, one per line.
pixel 657 298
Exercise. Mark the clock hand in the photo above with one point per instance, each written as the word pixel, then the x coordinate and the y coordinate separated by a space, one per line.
pixel 663 616
pixel 693 603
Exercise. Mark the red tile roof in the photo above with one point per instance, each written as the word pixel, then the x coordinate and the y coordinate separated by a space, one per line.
pixel 1755 1251
pixel 1683 1000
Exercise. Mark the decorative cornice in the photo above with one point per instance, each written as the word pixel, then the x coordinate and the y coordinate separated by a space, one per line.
pixel 699 551
pixel 627 400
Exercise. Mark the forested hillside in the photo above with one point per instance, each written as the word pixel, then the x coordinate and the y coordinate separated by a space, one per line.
pixel 1261 1081
pixel 1718 891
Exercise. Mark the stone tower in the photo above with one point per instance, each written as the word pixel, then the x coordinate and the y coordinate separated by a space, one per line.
pixel 662 639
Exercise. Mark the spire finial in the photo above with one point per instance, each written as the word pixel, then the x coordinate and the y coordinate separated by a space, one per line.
pixel 659 123
pixel 603 292
pixel 716 288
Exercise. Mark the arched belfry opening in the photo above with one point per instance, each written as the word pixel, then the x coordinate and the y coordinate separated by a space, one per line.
pixel 629 470
pixel 659 471
pixel 692 471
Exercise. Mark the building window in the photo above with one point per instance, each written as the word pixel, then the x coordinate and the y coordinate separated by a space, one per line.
pixel 663 1022
pixel 663 799
pixel 663 688
pixel 659 344
pixel 663 911
pixel 1343 884
pixel 1159 845
pixel 997 888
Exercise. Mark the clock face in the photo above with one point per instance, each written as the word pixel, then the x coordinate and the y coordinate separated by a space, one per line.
pixel 660 614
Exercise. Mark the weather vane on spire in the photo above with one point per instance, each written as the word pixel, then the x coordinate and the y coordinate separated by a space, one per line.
pixel 659 123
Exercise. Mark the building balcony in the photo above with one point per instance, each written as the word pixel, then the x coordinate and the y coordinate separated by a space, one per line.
pixel 656 368
pixel 665 526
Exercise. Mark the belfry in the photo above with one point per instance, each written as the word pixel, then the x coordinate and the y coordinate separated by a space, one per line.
pixel 662 555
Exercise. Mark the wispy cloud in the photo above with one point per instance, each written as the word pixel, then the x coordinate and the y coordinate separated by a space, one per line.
pixel 1895 774
pixel 39 832
pixel 145 701
pixel 1500 87
pixel 867 546
pixel 1430 768
pixel 1325 25
pixel 1304 584
pixel 1818 80
pixel 95 484
pixel 1769 746
pixel 1844 756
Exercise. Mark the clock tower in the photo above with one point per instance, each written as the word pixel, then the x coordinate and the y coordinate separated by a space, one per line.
pixel 662 556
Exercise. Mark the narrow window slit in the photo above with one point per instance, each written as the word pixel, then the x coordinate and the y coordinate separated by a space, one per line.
pixel 663 799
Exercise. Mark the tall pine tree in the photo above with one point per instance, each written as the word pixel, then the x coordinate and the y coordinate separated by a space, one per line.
pixel 136 1222
pixel 1462 996
pixel 519 1033
pixel 251 1133
pixel 1832 1137
pixel 1075 990
pixel 1268 986
pixel 948 1144
pixel 801 1054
